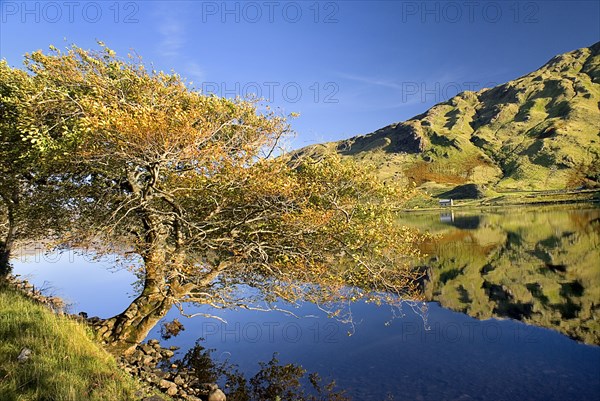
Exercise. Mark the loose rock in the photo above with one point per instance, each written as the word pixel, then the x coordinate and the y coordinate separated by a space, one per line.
pixel 24 355
pixel 166 384
pixel 216 395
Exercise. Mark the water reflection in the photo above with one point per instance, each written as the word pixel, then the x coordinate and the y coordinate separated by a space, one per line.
pixel 447 217
pixel 455 357
pixel 84 281
pixel 538 266
pixel 273 381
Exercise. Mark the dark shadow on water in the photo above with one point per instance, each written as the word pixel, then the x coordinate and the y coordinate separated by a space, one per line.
pixel 466 222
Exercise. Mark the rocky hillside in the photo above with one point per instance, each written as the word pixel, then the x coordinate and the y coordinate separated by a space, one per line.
pixel 538 132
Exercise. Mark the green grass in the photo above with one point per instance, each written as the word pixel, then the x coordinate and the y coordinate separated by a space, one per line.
pixel 66 364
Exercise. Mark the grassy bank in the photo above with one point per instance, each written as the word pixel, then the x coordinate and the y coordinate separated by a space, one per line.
pixel 65 365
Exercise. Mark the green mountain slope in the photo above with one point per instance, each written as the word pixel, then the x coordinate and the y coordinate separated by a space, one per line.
pixel 537 132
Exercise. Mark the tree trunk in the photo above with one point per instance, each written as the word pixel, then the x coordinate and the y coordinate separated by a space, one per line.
pixel 7 244
pixel 5 267
pixel 128 329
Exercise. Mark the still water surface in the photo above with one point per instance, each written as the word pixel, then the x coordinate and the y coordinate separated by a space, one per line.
pixel 513 314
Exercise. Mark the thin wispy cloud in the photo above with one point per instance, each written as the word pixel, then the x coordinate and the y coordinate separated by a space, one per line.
pixel 442 78
pixel 170 25
pixel 397 94
pixel 194 72
pixel 172 33
pixel 386 100
pixel 370 80
pixel 172 28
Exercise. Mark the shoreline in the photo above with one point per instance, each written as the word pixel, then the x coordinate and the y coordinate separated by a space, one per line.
pixel 513 199
pixel 172 383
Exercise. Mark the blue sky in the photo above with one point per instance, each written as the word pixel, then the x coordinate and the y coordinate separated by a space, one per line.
pixel 348 67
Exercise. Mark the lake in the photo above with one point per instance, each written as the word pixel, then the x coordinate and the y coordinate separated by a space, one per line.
pixel 513 312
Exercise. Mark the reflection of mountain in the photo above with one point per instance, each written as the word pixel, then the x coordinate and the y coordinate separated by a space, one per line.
pixel 541 267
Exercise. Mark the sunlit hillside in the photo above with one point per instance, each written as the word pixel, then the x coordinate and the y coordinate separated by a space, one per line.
pixel 537 132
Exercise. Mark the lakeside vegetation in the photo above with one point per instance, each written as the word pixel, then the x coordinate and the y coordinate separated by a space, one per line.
pixel 45 356
pixel 103 153
pixel 66 362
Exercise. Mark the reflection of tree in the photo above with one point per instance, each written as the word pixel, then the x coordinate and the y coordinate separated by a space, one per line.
pixel 540 267
pixel 272 382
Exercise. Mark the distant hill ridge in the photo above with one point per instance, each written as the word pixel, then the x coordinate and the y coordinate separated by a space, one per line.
pixel 538 132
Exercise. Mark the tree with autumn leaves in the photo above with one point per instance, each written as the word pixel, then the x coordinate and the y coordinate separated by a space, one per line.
pixel 198 188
